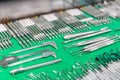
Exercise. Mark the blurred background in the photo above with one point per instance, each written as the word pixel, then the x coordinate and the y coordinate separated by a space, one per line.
pixel 14 9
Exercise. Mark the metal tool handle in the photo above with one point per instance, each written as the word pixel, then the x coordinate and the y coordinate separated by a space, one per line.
pixel 90 41
pixel 97 43
pixel 8 60
pixel 31 59
pixel 15 71
pixel 31 54
pixel 83 34
pixel 94 34
pixel 77 35
pixel 99 46
pixel 53 44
